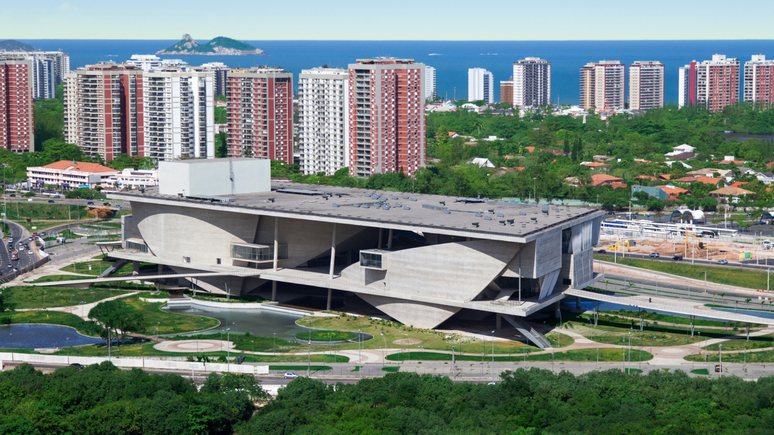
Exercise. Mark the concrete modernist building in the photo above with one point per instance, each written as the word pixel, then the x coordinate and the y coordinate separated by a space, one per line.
pixel 17 129
pixel 420 259
pixel 386 116
pixel 480 85
pixel 532 82
pixel 260 113
pixel 179 114
pixel 713 84
pixel 104 110
pixel 759 81
pixel 646 85
pixel 430 89
pixel 323 120
pixel 70 174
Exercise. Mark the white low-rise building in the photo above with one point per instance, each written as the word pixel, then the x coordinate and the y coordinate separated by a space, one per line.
pixel 131 179
pixel 70 174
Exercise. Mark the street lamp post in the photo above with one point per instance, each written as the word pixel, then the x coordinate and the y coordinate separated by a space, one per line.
pixel 384 349
pixel 493 356
pixel 720 358
pixel 68 350
pixel 228 351
pixel 275 343
pixel 359 358
pixel 454 368
pixel 11 335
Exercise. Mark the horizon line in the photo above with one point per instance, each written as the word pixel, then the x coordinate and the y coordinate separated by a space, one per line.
pixel 397 40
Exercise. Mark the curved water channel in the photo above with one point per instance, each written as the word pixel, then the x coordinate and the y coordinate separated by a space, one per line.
pixel 260 322
pixel 37 336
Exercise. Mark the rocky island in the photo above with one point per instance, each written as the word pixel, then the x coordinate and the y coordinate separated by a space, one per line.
pixel 220 46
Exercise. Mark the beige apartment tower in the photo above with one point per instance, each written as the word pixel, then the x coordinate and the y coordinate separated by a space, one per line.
pixel 603 85
pixel 646 85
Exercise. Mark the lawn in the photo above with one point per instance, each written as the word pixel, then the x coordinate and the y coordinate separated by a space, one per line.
pixel 43 214
pixel 669 318
pixel 700 372
pixel 326 335
pixel 614 330
pixel 169 323
pixel 760 342
pixel 392 369
pixel 96 267
pixel 40 297
pixel 254 343
pixel 765 356
pixel 54 278
pixel 428 339
pixel 755 279
pixel 586 355
pixel 102 225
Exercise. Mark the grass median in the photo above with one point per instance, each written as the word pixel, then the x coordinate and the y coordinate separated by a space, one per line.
pixel 747 278
pixel 169 323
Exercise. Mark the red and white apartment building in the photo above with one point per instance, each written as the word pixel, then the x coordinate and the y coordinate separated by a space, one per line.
pixel 260 113
pixel 759 81
pixel 104 111
pixel 712 83
pixel 17 130
pixel 386 116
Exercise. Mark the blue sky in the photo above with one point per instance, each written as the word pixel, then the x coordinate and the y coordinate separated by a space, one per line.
pixel 389 19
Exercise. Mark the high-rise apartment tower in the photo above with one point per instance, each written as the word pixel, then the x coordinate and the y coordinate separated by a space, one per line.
pixel 17 129
pixel 323 120
pixel 646 85
pixel 759 81
pixel 260 113
pixel 386 116
pixel 480 85
pixel 532 82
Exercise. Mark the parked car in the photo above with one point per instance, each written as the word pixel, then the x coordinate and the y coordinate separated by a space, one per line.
pixel 677 258
pixel 51 201
pixel 80 366
pixel 90 203
pixel 42 234
pixel 602 251
pixel 10 265
pixel 653 255
pixel 290 375
pixel 30 252
pixel 106 204
pixel 721 262
pixel 13 195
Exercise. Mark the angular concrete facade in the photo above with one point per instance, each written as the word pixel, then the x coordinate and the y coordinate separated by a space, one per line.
pixel 420 259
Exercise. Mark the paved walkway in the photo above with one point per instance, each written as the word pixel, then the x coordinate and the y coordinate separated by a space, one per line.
pixel 80 310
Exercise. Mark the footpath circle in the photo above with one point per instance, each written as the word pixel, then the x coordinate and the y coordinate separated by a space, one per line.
pixel 188 346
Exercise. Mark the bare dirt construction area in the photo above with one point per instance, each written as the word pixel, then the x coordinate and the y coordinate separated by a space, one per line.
pixel 712 250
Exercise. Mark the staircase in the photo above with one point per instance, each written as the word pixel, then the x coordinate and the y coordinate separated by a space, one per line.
pixel 528 331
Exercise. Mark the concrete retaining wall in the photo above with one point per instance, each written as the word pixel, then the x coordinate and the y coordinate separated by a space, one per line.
pixel 270 306
pixel 147 363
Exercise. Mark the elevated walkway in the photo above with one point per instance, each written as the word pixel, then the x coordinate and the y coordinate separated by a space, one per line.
pixel 669 305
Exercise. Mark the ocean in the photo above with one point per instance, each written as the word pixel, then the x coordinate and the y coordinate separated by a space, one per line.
pixel 451 59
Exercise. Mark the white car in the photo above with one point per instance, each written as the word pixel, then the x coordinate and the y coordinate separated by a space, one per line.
pixel 30 252
pixel 290 375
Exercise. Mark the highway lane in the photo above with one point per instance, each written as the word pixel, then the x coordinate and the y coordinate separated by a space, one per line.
pixel 744 264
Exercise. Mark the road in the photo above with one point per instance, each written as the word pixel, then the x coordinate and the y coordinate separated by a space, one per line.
pixel 18 233
pixel 762 264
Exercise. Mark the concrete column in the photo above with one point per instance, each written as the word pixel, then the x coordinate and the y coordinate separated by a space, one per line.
pixel 379 246
pixel 135 267
pixel 161 269
pixel 330 295
pixel 389 240
pixel 274 290
pixel 577 302
pixel 276 243
pixel 498 321
pixel 333 250
pixel 557 313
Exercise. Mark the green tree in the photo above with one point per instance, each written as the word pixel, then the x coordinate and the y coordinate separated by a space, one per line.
pixel 119 317
pixel 221 145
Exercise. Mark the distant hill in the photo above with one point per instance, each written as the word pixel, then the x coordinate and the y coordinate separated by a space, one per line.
pixel 221 46
pixel 11 45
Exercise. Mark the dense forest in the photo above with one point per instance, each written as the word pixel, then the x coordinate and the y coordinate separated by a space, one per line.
pixel 525 403
pixel 103 400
